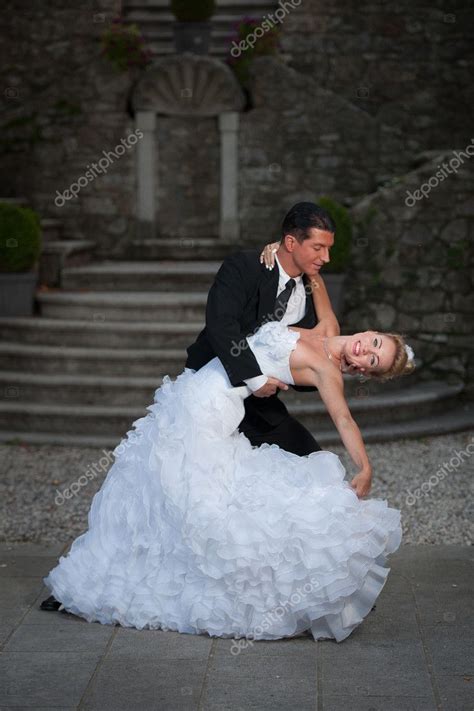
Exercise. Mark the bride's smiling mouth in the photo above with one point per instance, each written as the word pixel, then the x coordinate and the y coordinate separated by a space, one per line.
pixel 356 348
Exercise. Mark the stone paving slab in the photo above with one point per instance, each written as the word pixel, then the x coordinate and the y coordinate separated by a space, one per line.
pixel 414 652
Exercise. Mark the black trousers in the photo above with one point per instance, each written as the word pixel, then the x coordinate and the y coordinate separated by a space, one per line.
pixel 290 435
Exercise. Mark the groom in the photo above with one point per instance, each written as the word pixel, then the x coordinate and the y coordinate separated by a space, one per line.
pixel 244 295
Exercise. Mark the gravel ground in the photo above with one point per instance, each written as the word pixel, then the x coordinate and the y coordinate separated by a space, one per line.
pixel 34 477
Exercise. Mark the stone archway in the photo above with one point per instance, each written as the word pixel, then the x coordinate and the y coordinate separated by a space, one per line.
pixel 188 85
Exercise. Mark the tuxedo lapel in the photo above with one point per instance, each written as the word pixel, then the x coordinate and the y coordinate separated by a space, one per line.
pixel 267 290
pixel 309 319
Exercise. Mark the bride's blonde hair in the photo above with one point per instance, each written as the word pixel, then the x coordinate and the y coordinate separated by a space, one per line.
pixel 401 365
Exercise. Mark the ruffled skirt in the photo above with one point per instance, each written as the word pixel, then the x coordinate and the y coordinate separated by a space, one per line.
pixel 195 530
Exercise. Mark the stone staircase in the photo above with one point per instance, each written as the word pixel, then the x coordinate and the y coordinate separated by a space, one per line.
pixel 88 366
pixel 155 21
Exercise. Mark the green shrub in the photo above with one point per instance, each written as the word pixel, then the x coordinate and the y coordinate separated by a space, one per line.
pixel 20 238
pixel 340 251
pixel 242 52
pixel 193 10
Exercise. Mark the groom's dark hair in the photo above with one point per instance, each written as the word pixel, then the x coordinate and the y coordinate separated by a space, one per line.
pixel 304 215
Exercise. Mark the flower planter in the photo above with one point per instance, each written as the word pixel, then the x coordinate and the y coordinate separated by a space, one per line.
pixel 17 293
pixel 194 37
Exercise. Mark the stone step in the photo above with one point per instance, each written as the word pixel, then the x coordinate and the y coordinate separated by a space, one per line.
pixel 57 255
pixel 90 334
pixel 142 276
pixel 169 307
pixel 18 201
pixel 86 361
pixel 71 389
pixel 101 399
pixel 78 419
pixel 155 22
pixel 135 390
pixel 162 6
pixel 159 26
pixel 165 48
pixel 51 230
pixel 209 249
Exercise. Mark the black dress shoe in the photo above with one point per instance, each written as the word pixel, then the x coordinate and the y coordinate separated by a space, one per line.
pixel 50 604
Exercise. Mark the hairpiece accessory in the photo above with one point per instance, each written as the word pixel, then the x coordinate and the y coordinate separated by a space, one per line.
pixel 409 352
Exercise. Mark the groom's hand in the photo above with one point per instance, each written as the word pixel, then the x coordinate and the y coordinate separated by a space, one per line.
pixel 270 388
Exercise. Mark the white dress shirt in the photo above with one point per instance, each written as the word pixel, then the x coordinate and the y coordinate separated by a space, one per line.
pixel 295 311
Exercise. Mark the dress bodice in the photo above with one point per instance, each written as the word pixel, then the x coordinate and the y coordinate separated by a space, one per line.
pixel 272 345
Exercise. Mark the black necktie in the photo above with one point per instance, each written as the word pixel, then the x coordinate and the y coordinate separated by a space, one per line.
pixel 281 301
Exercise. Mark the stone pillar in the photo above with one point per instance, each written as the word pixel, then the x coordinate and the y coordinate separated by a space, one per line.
pixel 146 171
pixel 229 218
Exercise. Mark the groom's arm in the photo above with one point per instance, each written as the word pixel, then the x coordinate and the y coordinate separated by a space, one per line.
pixel 226 302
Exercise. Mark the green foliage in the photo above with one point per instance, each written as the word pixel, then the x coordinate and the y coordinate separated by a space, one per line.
pixel 245 46
pixel 67 108
pixel 340 252
pixel 21 134
pixel 193 10
pixel 20 238
pixel 124 46
pixel 456 254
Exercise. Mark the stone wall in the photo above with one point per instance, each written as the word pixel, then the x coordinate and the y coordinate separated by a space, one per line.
pixel 63 106
pixel 408 64
pixel 187 176
pixel 412 265
pixel 301 141
pixel 307 133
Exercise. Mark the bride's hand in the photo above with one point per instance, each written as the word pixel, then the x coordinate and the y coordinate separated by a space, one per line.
pixel 267 254
pixel 362 483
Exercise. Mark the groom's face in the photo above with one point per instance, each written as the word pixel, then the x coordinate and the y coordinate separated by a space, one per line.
pixel 312 253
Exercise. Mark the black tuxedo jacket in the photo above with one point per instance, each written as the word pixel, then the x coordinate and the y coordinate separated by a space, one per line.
pixel 242 298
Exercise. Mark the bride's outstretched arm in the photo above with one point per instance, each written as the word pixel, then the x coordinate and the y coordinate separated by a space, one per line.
pixel 331 389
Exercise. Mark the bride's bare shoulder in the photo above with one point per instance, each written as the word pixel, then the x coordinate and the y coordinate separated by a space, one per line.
pixel 310 363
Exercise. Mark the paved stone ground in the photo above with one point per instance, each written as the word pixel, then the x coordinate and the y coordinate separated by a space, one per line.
pixel 412 653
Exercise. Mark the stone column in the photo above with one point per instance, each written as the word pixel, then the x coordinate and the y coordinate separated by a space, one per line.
pixel 146 171
pixel 229 218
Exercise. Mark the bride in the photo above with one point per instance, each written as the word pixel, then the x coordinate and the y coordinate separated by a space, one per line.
pixel 197 531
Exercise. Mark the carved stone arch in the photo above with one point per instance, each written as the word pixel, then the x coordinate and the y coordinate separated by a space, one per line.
pixel 188 85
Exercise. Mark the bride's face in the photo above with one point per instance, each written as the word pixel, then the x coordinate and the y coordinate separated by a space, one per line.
pixel 369 352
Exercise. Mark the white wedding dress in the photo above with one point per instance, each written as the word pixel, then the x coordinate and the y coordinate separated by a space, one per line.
pixel 197 531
